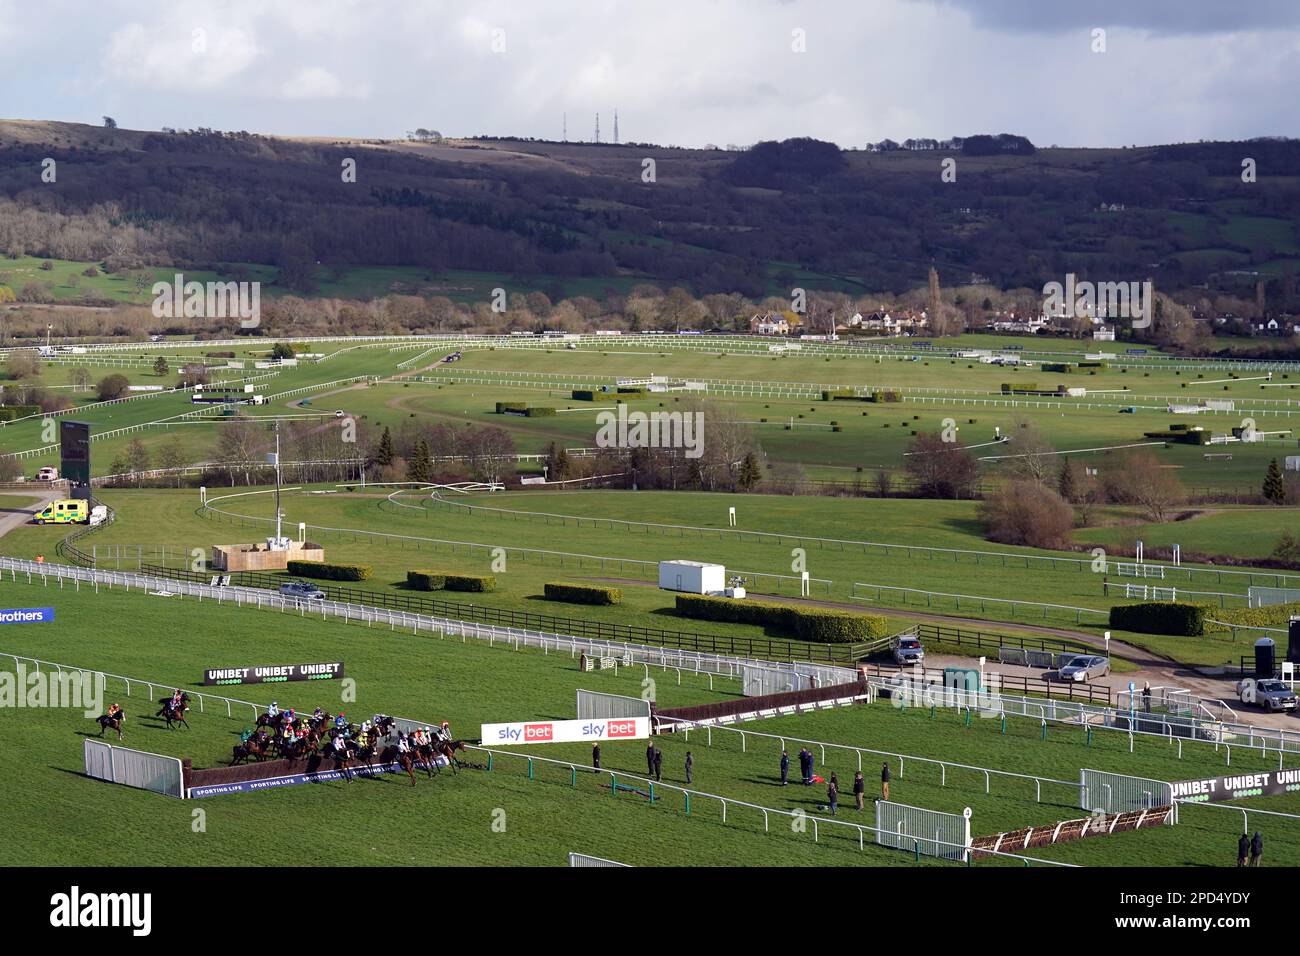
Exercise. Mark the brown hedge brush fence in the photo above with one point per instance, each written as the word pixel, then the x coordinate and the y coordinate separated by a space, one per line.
pixel 814 624
pixel 422 580
pixel 330 572
pixel 581 593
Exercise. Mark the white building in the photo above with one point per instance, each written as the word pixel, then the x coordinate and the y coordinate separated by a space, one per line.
pixel 694 577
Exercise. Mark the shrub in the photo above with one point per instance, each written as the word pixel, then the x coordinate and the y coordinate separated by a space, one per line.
pixel 539 411
pixel 1273 615
pixel 885 397
pixel 1027 513
pixel 1056 367
pixel 326 571
pixel 581 593
pixel 821 625
pixel 426 580
pixel 1160 617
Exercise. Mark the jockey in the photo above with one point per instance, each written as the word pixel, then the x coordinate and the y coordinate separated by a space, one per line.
pixel 273 710
pixel 403 746
pixel 288 734
pixel 341 721
pixel 177 695
pixel 245 735
pixel 113 711
pixel 302 733
pixel 365 727
pixel 339 744
pixel 318 713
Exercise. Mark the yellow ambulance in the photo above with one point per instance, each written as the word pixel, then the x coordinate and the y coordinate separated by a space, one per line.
pixel 64 511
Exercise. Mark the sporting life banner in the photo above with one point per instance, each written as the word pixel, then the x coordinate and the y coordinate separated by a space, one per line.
pixel 1269 783
pixel 565 731
pixel 272 673
pixel 26 615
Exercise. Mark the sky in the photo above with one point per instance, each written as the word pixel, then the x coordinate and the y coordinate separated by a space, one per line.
pixel 679 72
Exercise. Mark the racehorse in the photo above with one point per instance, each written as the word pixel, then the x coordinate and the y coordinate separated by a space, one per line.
pixel 406 761
pixel 105 722
pixel 383 724
pixel 174 715
pixel 255 747
pixel 341 760
pixel 448 748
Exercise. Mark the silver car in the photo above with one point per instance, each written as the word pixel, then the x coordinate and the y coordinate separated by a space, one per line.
pixel 909 651
pixel 1084 668
pixel 302 590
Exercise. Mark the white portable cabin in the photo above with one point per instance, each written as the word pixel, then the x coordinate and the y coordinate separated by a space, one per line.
pixel 695 577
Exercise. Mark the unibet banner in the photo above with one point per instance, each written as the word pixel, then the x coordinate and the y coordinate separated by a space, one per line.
pixel 565 731
pixel 272 673
pixel 1216 789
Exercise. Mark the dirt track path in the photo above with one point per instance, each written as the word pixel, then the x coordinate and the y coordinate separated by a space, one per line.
pixel 11 518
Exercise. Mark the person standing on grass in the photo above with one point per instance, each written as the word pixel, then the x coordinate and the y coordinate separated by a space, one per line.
pixel 884 781
pixel 690 765
pixel 595 756
pixel 785 768
pixel 658 764
pixel 1256 849
pixel 650 759
pixel 859 789
pixel 833 794
pixel 1243 848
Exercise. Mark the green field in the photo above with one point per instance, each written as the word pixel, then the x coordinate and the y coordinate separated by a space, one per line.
pixel 171 639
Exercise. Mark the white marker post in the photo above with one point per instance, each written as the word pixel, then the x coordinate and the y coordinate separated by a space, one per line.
pixel 731 517
pixel 302 532
pixel 803 584
pixel 1138 553
pixel 1178 555
pixel 203 495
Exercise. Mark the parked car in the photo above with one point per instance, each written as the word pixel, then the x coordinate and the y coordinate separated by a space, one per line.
pixel 303 590
pixel 340 413
pixel 1084 668
pixel 908 650
pixel 48 473
pixel 1269 694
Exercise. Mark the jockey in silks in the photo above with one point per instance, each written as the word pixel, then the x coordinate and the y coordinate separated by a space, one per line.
pixel 403 745
pixel 340 722
pixel 245 735
pixel 366 727
pixel 273 710
pixel 288 734
pixel 340 746
pixel 177 694
pixel 417 738
pixel 444 732
pixel 114 711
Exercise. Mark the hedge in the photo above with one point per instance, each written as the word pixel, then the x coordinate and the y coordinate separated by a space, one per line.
pixel 584 395
pixel 471 582
pixel 1160 617
pixel 519 407
pixel 10 412
pixel 581 593
pixel 1273 615
pixel 1093 365
pixel 1007 387
pixel 330 572
pixel 539 411
pixel 426 580
pixel 821 625
pixel 1057 367
pixel 885 397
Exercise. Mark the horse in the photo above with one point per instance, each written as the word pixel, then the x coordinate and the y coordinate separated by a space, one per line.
pixel 448 748
pixel 256 747
pixel 341 760
pixel 383 724
pixel 115 722
pixel 174 715
pixel 405 760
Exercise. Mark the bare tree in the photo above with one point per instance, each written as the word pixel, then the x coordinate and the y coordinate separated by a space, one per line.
pixel 941 469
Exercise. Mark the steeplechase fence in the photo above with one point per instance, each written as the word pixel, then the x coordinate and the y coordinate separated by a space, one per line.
pixel 925 832
pixel 1120 793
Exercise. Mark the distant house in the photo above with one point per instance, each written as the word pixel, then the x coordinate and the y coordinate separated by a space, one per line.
pixel 1103 334
pixel 770 323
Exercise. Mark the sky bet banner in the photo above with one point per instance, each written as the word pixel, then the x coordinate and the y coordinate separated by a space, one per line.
pixel 271 674
pixel 1216 789
pixel 565 731
pixel 26 615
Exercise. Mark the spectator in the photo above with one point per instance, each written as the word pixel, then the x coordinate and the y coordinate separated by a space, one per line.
pixel 785 768
pixel 833 794
pixel 859 789
pixel 690 765
pixel 1243 848
pixel 595 756
pixel 658 764
pixel 1146 696
pixel 806 765
pixel 650 759
pixel 1256 849
pixel 884 781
